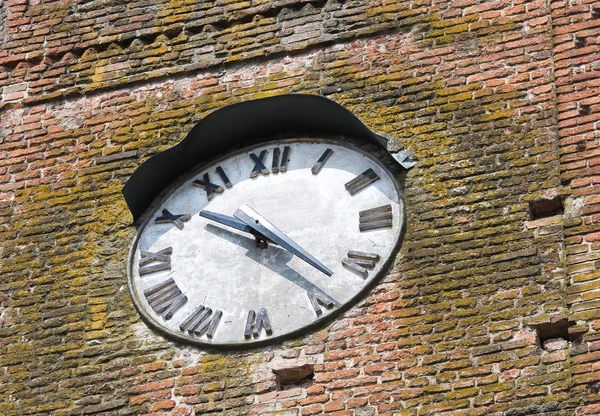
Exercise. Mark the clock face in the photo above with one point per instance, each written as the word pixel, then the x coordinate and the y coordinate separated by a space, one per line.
pixel 265 242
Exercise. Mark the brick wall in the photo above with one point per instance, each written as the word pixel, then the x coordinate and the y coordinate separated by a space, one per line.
pixel 498 100
pixel 577 55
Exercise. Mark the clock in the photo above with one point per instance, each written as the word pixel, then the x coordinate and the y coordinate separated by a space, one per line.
pixel 266 242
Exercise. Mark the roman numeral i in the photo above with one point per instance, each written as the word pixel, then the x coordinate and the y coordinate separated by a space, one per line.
pixel 319 165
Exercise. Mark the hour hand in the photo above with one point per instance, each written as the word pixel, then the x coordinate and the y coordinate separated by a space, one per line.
pixel 233 223
pixel 255 221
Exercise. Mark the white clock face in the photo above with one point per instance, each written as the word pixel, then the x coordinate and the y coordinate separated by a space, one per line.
pixel 264 243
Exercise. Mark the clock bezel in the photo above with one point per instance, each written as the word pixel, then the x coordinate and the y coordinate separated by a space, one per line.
pixel 318 322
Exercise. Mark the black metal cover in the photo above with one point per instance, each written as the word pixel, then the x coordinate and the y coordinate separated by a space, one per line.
pixel 237 125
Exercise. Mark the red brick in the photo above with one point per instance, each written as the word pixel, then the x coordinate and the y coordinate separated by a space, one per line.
pixel 149 397
pixel 312 409
pixel 330 407
pixel 152 386
pixel 163 405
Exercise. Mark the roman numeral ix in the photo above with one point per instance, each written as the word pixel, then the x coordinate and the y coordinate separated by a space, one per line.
pixel 165 298
pixel 162 259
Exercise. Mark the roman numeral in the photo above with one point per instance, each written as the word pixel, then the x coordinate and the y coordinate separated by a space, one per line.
pixel 209 187
pixel 360 262
pixel 165 298
pixel 374 218
pixel 275 165
pixel 256 322
pixel 162 258
pixel 285 158
pixel 224 177
pixel 361 181
pixel 202 320
pixel 317 299
pixel 167 217
pixel 317 167
pixel 259 166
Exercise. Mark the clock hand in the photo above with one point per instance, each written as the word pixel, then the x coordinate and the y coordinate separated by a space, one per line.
pixel 254 220
pixel 233 223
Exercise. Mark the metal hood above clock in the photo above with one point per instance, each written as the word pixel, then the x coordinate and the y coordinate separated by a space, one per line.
pixel 239 125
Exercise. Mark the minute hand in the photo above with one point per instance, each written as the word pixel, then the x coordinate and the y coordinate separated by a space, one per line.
pixel 254 220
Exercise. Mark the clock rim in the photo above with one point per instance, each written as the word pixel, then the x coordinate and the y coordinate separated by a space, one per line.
pixel 320 322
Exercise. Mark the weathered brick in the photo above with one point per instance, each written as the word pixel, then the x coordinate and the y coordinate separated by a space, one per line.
pixel 495 114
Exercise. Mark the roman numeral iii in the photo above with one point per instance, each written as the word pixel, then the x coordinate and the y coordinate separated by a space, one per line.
pixel 374 218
